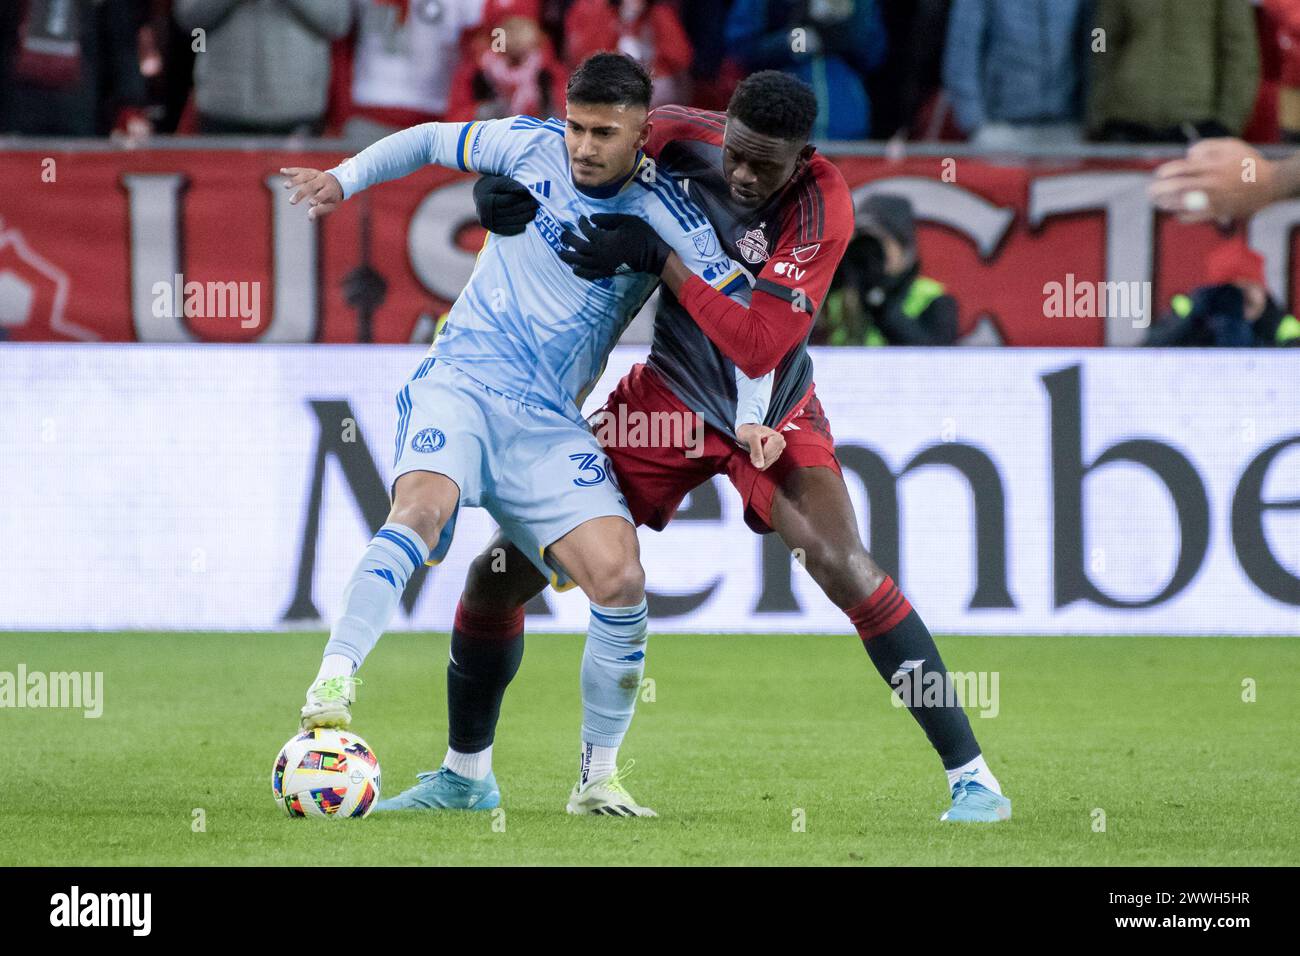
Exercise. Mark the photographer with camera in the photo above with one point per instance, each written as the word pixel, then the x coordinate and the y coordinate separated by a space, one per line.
pixel 1233 310
pixel 878 295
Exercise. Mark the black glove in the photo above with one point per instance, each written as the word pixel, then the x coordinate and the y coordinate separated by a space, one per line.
pixel 503 205
pixel 613 240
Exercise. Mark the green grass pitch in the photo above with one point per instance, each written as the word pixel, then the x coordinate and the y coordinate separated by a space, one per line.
pixel 744 732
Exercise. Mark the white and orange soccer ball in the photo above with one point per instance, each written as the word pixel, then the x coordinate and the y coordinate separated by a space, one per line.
pixel 326 773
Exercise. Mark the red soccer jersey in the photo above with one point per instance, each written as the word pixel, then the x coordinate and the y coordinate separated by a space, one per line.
pixel 791 245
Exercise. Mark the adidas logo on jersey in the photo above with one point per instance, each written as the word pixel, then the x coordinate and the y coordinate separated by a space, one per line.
pixel 543 188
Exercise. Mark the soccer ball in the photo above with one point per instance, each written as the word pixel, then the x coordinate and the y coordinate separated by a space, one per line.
pixel 326 773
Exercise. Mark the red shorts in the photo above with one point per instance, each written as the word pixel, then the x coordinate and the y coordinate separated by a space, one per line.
pixel 655 476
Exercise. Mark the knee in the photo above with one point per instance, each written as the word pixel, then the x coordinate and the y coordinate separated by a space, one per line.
pixel 847 575
pixel 425 518
pixel 500 579
pixel 622 584
pixel 481 592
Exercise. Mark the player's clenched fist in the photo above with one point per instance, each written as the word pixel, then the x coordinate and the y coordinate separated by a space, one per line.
pixel 765 444
pixel 321 190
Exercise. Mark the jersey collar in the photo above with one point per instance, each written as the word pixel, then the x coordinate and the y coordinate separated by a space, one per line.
pixel 611 189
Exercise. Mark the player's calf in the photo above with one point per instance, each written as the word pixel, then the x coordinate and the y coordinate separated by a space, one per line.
pixel 602 558
pixel 487 646
pixel 398 549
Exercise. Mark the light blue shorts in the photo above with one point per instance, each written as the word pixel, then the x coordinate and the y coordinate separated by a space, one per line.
pixel 538 474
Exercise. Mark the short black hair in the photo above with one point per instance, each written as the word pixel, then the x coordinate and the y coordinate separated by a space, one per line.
pixel 775 104
pixel 610 78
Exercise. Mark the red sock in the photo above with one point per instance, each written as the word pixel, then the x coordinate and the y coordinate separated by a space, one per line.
pixel 488 625
pixel 881 612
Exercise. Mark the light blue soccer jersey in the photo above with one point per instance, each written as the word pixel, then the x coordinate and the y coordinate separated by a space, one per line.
pixel 525 325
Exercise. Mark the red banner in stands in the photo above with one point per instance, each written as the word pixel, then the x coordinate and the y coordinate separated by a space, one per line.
pixel 174 245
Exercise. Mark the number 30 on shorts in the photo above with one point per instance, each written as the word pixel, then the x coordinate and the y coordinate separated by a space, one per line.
pixel 590 471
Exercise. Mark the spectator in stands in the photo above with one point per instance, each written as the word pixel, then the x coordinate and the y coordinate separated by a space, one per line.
pixel 510 69
pixel 71 68
pixel 833 45
pixel 912 74
pixel 167 65
pixel 1173 70
pixel 646 30
pixel 1233 309
pixel 264 68
pixel 1262 126
pixel 1014 71
pixel 1284 16
pixel 713 76
pixel 878 295
pixel 403 63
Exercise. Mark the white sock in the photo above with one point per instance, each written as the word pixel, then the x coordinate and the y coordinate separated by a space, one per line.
pixel 470 766
pixel 373 592
pixel 595 762
pixel 336 665
pixel 983 775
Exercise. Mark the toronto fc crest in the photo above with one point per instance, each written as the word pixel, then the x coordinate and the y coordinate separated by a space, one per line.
pixel 753 245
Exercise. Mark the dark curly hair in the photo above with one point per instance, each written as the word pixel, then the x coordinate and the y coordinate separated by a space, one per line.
pixel 775 104
pixel 610 78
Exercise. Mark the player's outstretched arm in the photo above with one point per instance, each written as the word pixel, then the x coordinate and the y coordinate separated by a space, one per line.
pixel 1223 179
pixel 392 157
pixel 481 146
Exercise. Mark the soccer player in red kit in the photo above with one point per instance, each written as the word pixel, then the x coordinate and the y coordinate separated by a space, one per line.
pixel 783 212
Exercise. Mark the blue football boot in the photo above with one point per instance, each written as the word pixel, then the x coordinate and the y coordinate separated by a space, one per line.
pixel 975 803
pixel 442 789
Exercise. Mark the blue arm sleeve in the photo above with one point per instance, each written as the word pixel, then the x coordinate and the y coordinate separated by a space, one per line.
pixel 490 146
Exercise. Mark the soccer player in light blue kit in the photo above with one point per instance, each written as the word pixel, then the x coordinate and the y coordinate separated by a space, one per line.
pixel 491 418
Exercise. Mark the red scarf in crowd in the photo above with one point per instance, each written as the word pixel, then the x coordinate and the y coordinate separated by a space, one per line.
pixel 520 84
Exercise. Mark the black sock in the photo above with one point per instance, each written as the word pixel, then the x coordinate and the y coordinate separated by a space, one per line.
pixel 894 635
pixel 485 653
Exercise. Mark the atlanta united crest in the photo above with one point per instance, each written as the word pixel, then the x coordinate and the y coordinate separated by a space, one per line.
pixel 753 245
pixel 428 440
